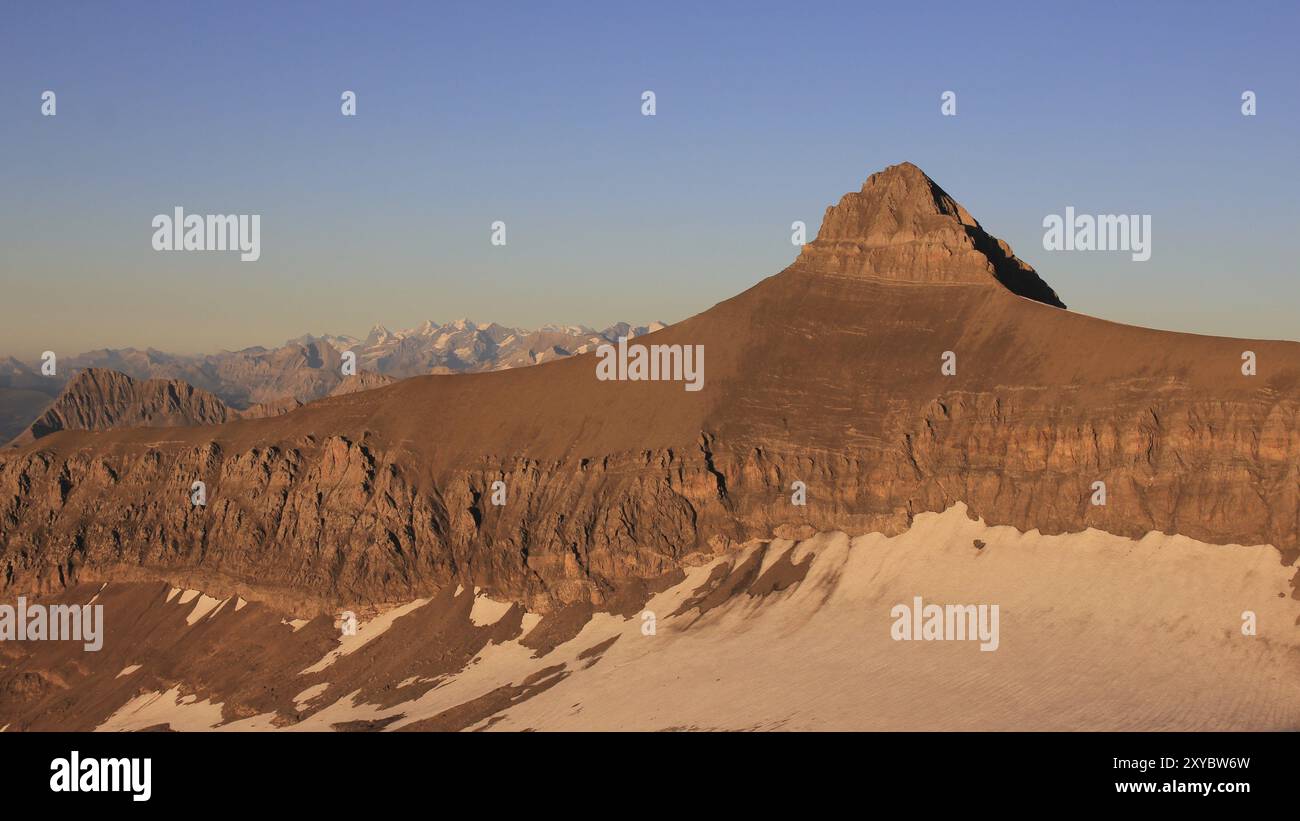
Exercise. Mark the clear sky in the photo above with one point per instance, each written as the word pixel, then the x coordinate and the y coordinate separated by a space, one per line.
pixel 530 113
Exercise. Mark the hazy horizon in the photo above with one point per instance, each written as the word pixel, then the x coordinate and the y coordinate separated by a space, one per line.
pixel 532 116
pixel 35 360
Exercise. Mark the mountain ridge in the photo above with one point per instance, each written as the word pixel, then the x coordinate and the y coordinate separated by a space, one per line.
pixel 99 398
pixel 264 381
pixel 817 374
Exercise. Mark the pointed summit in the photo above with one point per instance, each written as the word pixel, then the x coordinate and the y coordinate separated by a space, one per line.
pixel 903 226
pixel 100 398
pixel 377 334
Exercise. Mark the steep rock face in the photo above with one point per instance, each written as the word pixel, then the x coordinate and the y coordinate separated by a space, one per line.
pixel 822 374
pixel 99 399
pixel 337 520
pixel 102 399
pixel 902 226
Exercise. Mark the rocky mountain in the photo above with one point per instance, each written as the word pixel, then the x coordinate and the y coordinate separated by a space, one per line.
pixel 902 227
pixel 99 399
pixel 831 373
pixel 268 381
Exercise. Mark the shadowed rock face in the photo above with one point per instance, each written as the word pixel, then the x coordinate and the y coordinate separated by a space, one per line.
pixel 902 226
pixel 827 373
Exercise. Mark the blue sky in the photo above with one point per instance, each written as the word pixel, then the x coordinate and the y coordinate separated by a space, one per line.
pixel 530 113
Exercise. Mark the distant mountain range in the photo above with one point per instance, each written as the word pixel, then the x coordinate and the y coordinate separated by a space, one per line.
pixel 261 381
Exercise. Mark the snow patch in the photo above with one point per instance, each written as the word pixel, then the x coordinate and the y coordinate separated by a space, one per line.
pixel 487 612
pixel 205 607
pixel 300 700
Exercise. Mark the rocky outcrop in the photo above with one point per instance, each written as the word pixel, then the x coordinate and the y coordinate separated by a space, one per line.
pixel 902 226
pixel 99 399
pixel 102 399
pixel 363 381
pixel 828 374
pixel 278 407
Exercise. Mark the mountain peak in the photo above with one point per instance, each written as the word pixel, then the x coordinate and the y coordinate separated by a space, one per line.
pixel 902 226
pixel 378 333
pixel 102 398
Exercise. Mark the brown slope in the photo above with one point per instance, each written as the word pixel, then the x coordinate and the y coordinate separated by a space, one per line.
pixel 826 373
